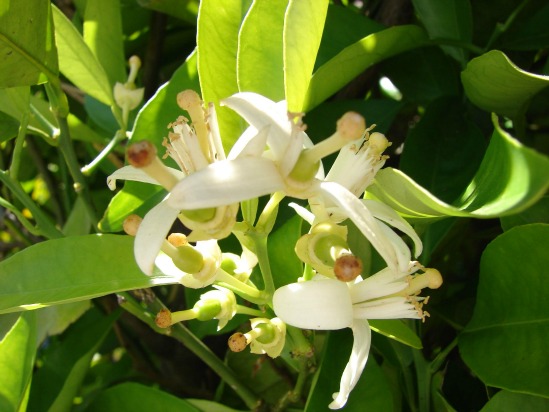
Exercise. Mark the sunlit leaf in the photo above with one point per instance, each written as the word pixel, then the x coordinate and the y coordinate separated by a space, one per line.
pixel 58 381
pixel 77 62
pixel 504 344
pixel 17 351
pixel 510 178
pixel 302 34
pixel 396 329
pixel 103 35
pixel 260 66
pixel 356 58
pixel 495 84
pixel 26 43
pixel 217 37
pixel 71 269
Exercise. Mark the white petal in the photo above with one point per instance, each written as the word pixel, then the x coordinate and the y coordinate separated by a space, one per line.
pixel 151 233
pixel 304 213
pixel 359 355
pixel 317 304
pixel 401 249
pixel 226 182
pixel 259 112
pixel 383 212
pixel 253 146
pixel 363 219
pixel 138 175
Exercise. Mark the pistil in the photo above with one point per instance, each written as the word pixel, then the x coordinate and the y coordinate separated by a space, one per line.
pixel 142 155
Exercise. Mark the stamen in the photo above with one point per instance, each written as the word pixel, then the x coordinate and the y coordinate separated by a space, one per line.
pixel 431 279
pixel 142 155
pixel 190 101
pixel 347 268
pixel 185 257
pixel 378 143
pixel 135 64
pixel 178 239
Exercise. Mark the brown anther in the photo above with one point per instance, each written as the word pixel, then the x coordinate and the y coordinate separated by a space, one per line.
pixel 237 342
pixel 131 224
pixel 141 154
pixel 351 126
pixel 347 268
pixel 163 319
pixel 177 239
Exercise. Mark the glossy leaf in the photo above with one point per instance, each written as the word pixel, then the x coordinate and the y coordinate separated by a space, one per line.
pixel 495 84
pixel 396 329
pixel 285 264
pixel 356 58
pixel 103 35
pixel 260 66
pixel 505 401
pixel 138 398
pixel 372 391
pixel 448 20
pixel 537 213
pixel 78 63
pixel 444 150
pixel 505 341
pixel 8 127
pixel 58 381
pixel 302 34
pixel 217 38
pixel 510 178
pixel 17 351
pixel 26 43
pixel 71 269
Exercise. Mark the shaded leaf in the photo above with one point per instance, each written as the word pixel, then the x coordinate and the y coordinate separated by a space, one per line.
pixel 504 344
pixel 26 43
pixel 285 264
pixel 495 84
pixel 538 213
pixel 185 10
pixel 71 269
pixel 511 177
pixel 356 58
pixel 302 34
pixel 396 329
pixel 505 401
pixel 17 351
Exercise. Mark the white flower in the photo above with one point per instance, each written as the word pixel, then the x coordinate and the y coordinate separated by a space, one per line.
pixel 287 167
pixel 328 304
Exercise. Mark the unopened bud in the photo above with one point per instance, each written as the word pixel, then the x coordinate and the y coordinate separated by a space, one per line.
pixel 347 268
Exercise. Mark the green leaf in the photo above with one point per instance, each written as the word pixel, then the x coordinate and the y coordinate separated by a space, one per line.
pixel 532 33
pixel 285 265
pixel 356 58
pixel 58 381
pixel 302 34
pixel 26 43
pixel 396 329
pixel 138 398
pixel 505 401
pixel 103 35
pixel 448 20
pixel 495 84
pixel 538 213
pixel 71 269
pixel 77 62
pixel 8 127
pixel 444 150
pixel 185 10
pixel 505 343
pixel 372 392
pixel 78 222
pixel 53 320
pixel 511 177
pixel 260 66
pixel 17 351
pixel 217 38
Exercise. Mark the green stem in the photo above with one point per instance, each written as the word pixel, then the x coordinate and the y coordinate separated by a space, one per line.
pixel 45 226
pixel 195 345
pixel 250 293
pixel 441 357
pixel 457 43
pixel 19 140
pixel 268 216
pixel 262 252
pixel 118 137
pixel 245 310
pixel 423 376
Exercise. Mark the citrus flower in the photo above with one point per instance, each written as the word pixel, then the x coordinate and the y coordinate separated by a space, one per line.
pixel 329 304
